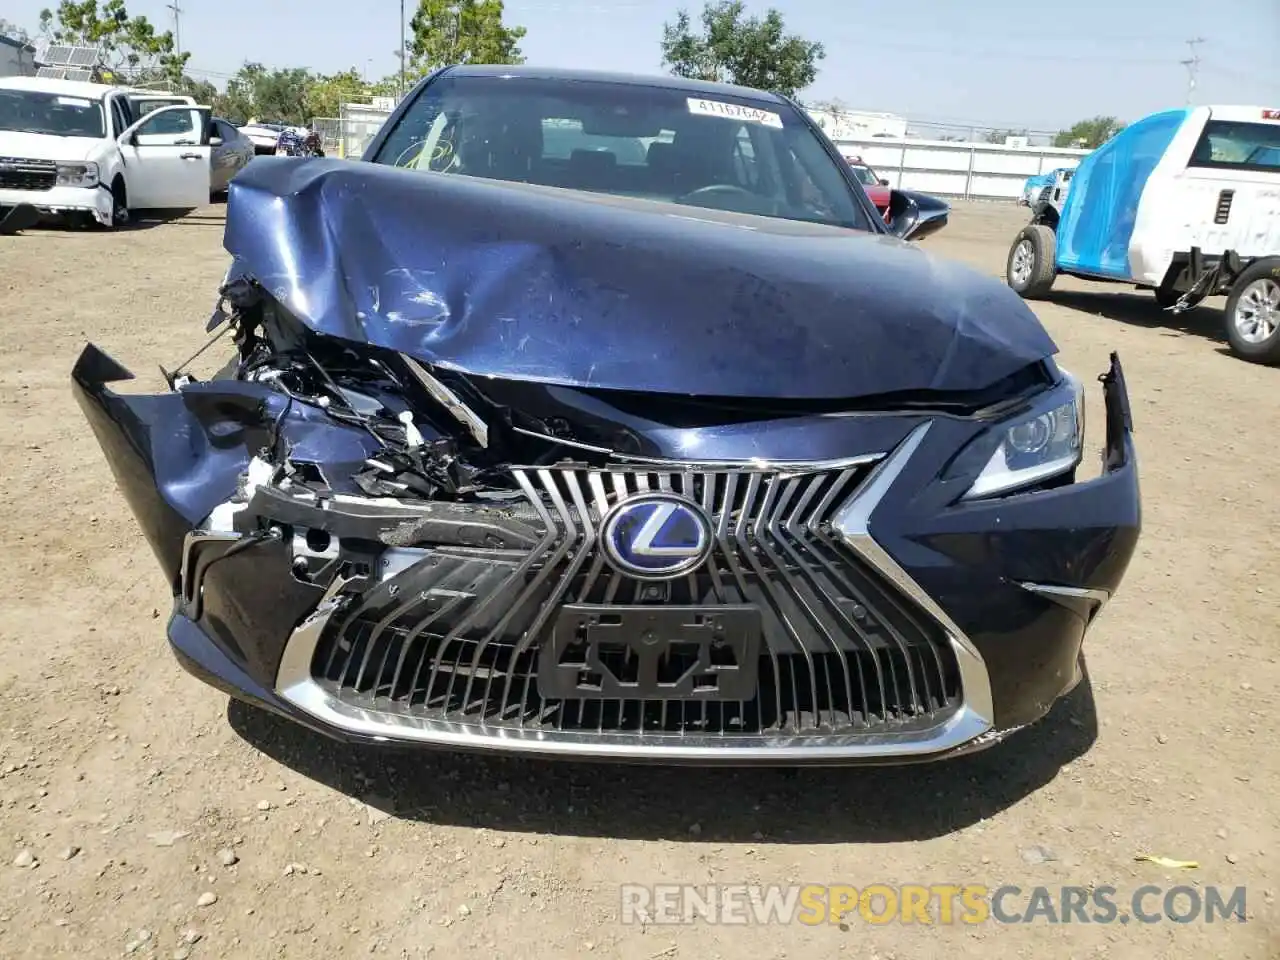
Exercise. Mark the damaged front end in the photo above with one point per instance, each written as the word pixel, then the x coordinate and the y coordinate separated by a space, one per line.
pixel 387 550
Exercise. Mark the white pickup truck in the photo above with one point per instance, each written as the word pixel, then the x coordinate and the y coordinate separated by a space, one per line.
pixel 1184 202
pixel 94 151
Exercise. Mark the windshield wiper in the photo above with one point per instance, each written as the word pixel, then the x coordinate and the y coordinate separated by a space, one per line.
pixel 51 133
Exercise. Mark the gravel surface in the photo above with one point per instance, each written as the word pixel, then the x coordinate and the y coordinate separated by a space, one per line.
pixel 145 815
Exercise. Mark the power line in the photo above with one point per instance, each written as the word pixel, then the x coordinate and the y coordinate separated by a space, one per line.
pixel 1193 67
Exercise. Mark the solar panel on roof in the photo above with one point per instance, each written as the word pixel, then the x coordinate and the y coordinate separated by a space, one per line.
pixel 52 73
pixel 56 55
pixel 84 57
pixel 79 73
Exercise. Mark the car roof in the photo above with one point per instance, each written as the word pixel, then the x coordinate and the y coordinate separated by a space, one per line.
pixel 68 88
pixel 702 88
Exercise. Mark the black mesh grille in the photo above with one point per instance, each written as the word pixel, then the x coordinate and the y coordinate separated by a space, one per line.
pixel 18 174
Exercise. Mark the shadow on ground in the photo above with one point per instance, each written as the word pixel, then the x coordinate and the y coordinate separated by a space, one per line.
pixel 138 220
pixel 831 805
pixel 178 218
pixel 1139 309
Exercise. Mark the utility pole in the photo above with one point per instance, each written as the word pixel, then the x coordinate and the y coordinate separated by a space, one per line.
pixel 176 7
pixel 1193 67
pixel 401 49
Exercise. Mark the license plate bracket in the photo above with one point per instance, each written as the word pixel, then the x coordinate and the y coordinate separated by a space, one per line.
pixel 617 652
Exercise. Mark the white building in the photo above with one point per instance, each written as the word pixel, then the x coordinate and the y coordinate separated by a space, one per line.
pixel 856 125
pixel 17 59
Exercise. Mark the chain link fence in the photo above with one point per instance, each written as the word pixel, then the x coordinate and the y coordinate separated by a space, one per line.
pixel 973 133
pixel 358 123
pixel 330 130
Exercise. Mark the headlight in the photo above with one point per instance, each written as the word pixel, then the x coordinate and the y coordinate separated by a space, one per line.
pixel 77 174
pixel 1037 444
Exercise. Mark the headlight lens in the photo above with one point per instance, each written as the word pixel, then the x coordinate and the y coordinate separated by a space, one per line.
pixel 1043 442
pixel 77 174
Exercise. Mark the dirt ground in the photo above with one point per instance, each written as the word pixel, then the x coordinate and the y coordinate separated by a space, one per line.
pixel 128 782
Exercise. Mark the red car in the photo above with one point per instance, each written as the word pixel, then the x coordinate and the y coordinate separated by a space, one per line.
pixel 877 189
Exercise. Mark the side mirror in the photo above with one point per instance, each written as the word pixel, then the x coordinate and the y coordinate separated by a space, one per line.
pixel 215 141
pixel 884 183
pixel 913 216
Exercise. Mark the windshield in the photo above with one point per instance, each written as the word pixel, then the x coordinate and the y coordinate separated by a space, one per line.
pixel 32 111
pixel 626 139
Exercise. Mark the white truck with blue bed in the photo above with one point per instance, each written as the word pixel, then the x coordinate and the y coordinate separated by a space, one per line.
pixel 1183 202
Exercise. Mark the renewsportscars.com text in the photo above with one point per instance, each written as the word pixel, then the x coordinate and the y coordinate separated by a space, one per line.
pixel 940 904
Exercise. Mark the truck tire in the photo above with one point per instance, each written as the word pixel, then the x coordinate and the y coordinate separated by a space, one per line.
pixel 1030 269
pixel 1252 313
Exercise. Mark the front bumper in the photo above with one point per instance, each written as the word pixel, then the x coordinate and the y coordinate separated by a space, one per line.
pixel 1008 588
pixel 61 200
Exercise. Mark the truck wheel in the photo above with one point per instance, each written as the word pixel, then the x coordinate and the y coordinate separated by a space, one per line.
pixel 119 203
pixel 1030 270
pixel 1253 313
pixel 119 208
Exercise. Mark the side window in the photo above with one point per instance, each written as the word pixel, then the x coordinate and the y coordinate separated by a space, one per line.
pixel 172 127
pixel 1238 145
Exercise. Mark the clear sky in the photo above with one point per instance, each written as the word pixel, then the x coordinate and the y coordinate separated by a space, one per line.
pixel 1026 63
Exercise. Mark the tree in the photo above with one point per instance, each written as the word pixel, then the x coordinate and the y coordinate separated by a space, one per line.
pixel 266 94
pixel 1090 133
pixel 131 46
pixel 749 51
pixel 461 31
pixel 326 94
pixel 10 29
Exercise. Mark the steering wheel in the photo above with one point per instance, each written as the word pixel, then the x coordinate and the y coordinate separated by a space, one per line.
pixel 721 190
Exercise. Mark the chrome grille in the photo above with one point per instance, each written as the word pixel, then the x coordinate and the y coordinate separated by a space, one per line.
pixel 18 174
pixel 455 639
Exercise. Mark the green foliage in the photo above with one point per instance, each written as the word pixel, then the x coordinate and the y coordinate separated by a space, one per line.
pixel 1090 133
pixel 294 95
pixel 131 46
pixel 750 51
pixel 461 31
pixel 258 93
pixel 326 94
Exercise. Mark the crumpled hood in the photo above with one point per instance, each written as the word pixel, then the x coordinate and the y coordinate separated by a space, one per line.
pixel 522 282
pixel 44 146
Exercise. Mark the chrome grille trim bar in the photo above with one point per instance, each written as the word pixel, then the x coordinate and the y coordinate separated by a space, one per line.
pixel 787 509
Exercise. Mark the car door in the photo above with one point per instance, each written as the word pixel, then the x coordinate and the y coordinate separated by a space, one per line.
pixel 163 173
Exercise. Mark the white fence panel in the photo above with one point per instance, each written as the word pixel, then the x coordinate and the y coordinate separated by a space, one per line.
pixel 977 171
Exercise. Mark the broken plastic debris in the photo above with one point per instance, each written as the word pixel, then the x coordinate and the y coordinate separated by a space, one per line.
pixel 1167 862
pixel 412 436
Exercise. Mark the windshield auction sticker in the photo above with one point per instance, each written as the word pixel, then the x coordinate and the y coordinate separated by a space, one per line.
pixel 734 111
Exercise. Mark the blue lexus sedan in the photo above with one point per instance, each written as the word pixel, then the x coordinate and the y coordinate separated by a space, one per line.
pixel 602 417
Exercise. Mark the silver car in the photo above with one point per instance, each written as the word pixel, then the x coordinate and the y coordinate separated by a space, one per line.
pixel 232 151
